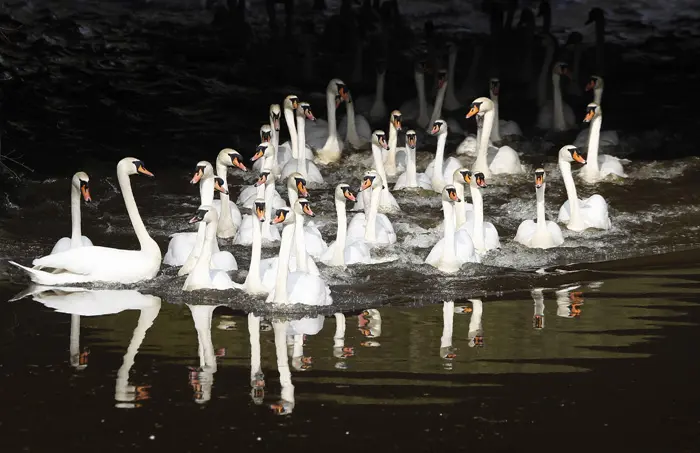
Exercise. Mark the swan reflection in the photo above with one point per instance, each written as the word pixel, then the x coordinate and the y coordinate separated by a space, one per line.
pixel 202 378
pixel 285 405
pixel 296 335
pixel 257 377
pixel 78 302
pixel 447 352
pixel 340 351
pixel 568 304
pixel 369 323
pixel 538 317
pixel 476 331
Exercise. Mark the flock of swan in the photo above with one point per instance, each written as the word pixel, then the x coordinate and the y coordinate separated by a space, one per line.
pixel 293 277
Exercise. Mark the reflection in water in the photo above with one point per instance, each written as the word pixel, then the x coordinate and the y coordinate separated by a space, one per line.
pixel 476 332
pixel 257 378
pixel 447 352
pixel 78 358
pixel 568 304
pixel 296 335
pixel 202 378
pixel 78 302
pixel 340 351
pixel 286 403
pixel 369 323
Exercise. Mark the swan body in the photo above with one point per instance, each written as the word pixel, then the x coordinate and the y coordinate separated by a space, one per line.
pixel 340 252
pixel 389 157
pixel 410 179
pixel 79 187
pixel 229 215
pixel 331 150
pixel 202 275
pixel 577 214
pixel 440 170
pixel 455 248
pixel 599 166
pixel 372 227
pixel 105 264
pixel 544 233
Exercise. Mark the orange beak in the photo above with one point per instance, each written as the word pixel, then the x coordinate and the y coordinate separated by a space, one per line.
pixel 383 143
pixel 538 181
pixel 301 188
pixel 435 129
pixel 310 116
pixel 472 111
pixel 279 218
pixel 349 195
pixel 307 210
pixel 238 164
pixel 480 181
pixel 197 176
pixel 295 104
pixel 260 212
pixel 258 154
pixel 578 158
pixel 589 116
pixel 262 179
pixel 366 184
pixel 85 191
pixel 218 187
pixel 397 124
pixel 453 195
pixel 143 171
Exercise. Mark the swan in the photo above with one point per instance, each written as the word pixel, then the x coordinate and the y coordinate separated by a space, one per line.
pixel 442 84
pixel 475 334
pixel 354 127
pixel 387 202
pixel 389 157
pixel 271 160
pixel 372 227
pixel 556 114
pixel 502 128
pixel 460 177
pixel 455 247
pixel 263 152
pixel 410 179
pixel 599 166
pixel 440 171
pixel 504 160
pixel 340 351
pixel 451 102
pixel 607 138
pixel 313 239
pixel 105 264
pixel 330 151
pixel 484 234
pixel 375 106
pixel 270 234
pixel 299 110
pixel 417 109
pixel 579 215
pixel 295 287
pixel 229 215
pixel 183 248
pixel 202 275
pixel 340 252
pixel 79 186
pixel 283 152
pixel 544 233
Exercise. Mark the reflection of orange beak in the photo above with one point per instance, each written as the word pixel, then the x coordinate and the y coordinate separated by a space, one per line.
pixel 260 212
pixel 301 188
pixel 348 351
pixel 307 210
pixel 143 171
pixel 589 116
pixel 197 176
pixel 86 193
pixel 366 184
pixel 279 218
pixel 538 181
pixel 83 359
pixel 473 111
pixel 142 392
pixel 349 195
pixel 218 187
pixel 538 322
pixel 590 85
pixel 578 158
pixel 238 164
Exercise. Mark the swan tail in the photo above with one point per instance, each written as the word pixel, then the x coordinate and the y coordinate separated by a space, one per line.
pixel 43 277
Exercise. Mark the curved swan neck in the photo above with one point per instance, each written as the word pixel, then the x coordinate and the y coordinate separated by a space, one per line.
pixel 541 219
pixel 146 318
pixel 481 162
pixel 301 144
pixel 145 240
pixel 572 196
pixel 330 106
pixel 225 214
pixel 393 138
pixel 371 228
pixel 379 163
pixel 206 190
pixel 76 233
pixel 351 134
pixel 542 82
pixel 451 63
pixel 559 123
pixel 593 144
pixel 283 264
pixel 460 212
pixel 269 191
pixel 478 204
pixel 200 273
pixel 420 89
pixel 341 234
pixel 448 251
pixel 293 138
pixel 302 264
pixel 439 100
pixel 292 196
pixel 440 154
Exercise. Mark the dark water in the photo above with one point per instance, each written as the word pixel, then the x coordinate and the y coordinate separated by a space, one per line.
pixel 86 83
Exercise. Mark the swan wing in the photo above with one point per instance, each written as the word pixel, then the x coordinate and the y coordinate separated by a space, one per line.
pixel 526 230
pixel 505 161
pixel 88 260
pixel 555 231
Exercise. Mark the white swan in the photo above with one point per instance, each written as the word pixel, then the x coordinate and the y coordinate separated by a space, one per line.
pixel 504 160
pixel 104 264
pixel 354 127
pixel 202 275
pixel 372 227
pixel 259 164
pixel 440 170
pixel 340 252
pixel 410 179
pixel 183 248
pixel 263 152
pixel 599 166
pixel 253 282
pixel 293 109
pixel 470 145
pixel 447 352
pixel 313 239
pixel 79 187
pixel 270 234
pixel 391 166
pixel 229 215
pixel 285 405
pixel 375 106
pixel 607 138
pixel 283 152
pixel 556 114
pixel 501 128
pixel 387 202
pixel 295 287
pixel 330 151
pixel 544 234
pixel 484 234
pixel 417 109
pixel 579 215
pixel 455 248
pixel 461 177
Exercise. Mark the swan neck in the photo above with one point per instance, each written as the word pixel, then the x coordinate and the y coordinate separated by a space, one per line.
pixel 594 143
pixel 292 196
pixel 451 63
pixel 200 273
pixel 478 205
pixel 330 106
pixel 76 233
pixel 352 127
pixel 597 95
pixel 448 251
pixel 269 192
pixel 448 314
pixel 460 212
pixel 558 104
pixel 287 391
pixel 411 175
pixel 253 278
pixel 495 129
pixel 440 155
pixel 293 137
pixel 393 139
pixel 283 264
pixel 302 264
pixel 420 89
pixel 225 214
pixel 572 196
pixel 541 219
pixel 254 336
pixel 206 190
pixel 133 210
pixel 379 94
pixel 371 228
pixel 439 100
pixel 341 234
pixel 74 346
pixel 481 163
pixel 379 163
pixel 301 145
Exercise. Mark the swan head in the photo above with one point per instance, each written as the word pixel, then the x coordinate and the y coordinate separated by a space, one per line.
pixel 275 113
pixel 411 138
pixel 220 185
pixel 291 102
pixel 203 169
pixel 449 193
pixel 302 206
pixel 439 127
pixel 81 182
pixel 379 139
pixel 282 408
pixel 480 105
pixel 296 181
pixel 478 180
pixel 343 192
pixel 337 88
pixel 265 133
pixel 368 179
pixel 260 150
pixel 305 109
pixel 395 119
pixel 132 166
pixel 441 78
pixel 494 87
pixel 204 213
pixel 596 15
pixel 539 178
pixel 259 208
pixel 263 178
pixel 284 216
pixel 560 69
pixel 594 83
pixel 462 176
pixel 231 158
pixel 592 111
pixel 570 153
